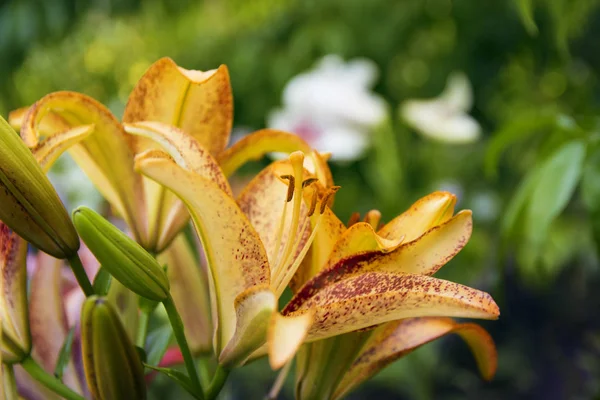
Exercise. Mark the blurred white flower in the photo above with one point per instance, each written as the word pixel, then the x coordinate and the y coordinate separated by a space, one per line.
pixel 332 107
pixel 445 117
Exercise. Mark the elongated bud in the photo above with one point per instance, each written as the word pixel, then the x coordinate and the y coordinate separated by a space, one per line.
pixel 30 205
pixel 113 369
pixel 125 259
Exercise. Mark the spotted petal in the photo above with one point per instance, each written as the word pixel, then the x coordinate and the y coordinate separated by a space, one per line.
pixel 200 103
pixel 396 339
pixel 234 252
pixel 14 318
pixel 49 326
pixel 370 298
pixel 166 213
pixel 263 201
pixel 329 230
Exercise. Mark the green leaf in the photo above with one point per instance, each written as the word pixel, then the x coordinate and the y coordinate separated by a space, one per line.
pixel 590 193
pixel 514 211
pixel 516 130
pixel 590 182
pixel 157 342
pixel 559 176
pixel 65 355
pixel 141 354
pixel 525 8
pixel 179 377
pixel 102 282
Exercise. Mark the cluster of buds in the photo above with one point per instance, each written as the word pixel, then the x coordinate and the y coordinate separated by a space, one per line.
pixel 165 164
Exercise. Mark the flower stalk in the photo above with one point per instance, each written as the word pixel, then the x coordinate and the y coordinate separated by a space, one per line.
pixel 48 380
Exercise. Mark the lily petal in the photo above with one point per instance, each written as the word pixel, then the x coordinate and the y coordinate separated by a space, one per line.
pixel 30 389
pixel 49 327
pixel 393 340
pixel 263 202
pixel 189 288
pixel 372 298
pixel 106 156
pixel 51 124
pixel 425 255
pixel 429 211
pixel 234 252
pixel 359 238
pixel 14 317
pixel 47 151
pixel 329 230
pixel 258 144
pixel 322 364
pixel 285 336
pixel 183 148
pixel 200 103
pixel 253 308
pixel 166 215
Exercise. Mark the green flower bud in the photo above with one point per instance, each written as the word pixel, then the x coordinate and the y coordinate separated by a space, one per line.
pixel 30 205
pixel 113 368
pixel 125 259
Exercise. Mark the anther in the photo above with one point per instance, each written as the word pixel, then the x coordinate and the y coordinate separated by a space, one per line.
pixel 313 202
pixel 330 192
pixel 354 218
pixel 291 185
pixel 308 181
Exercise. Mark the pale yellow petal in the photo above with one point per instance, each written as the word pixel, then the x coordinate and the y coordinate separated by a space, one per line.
pixel 285 336
pixel 106 155
pixel 429 211
pixel 263 201
pixel 47 151
pixel 395 339
pixel 200 103
pixel 166 217
pixel 236 257
pixel 254 308
pixel 256 145
pixel 329 230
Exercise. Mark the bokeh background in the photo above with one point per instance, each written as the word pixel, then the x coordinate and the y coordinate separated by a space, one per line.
pixel 532 176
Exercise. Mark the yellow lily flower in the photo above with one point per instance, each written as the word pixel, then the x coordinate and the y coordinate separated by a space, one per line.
pixel 167 97
pixel 416 244
pixel 255 246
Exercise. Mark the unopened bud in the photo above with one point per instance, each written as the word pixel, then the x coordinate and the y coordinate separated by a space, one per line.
pixel 113 368
pixel 30 205
pixel 120 255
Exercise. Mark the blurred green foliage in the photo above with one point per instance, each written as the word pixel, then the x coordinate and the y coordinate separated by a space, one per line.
pixel 533 181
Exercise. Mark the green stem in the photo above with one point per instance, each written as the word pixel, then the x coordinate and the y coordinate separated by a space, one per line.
pixel 48 380
pixel 142 328
pixel 80 275
pixel 179 333
pixel 217 383
pixel 274 392
pixel 204 370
